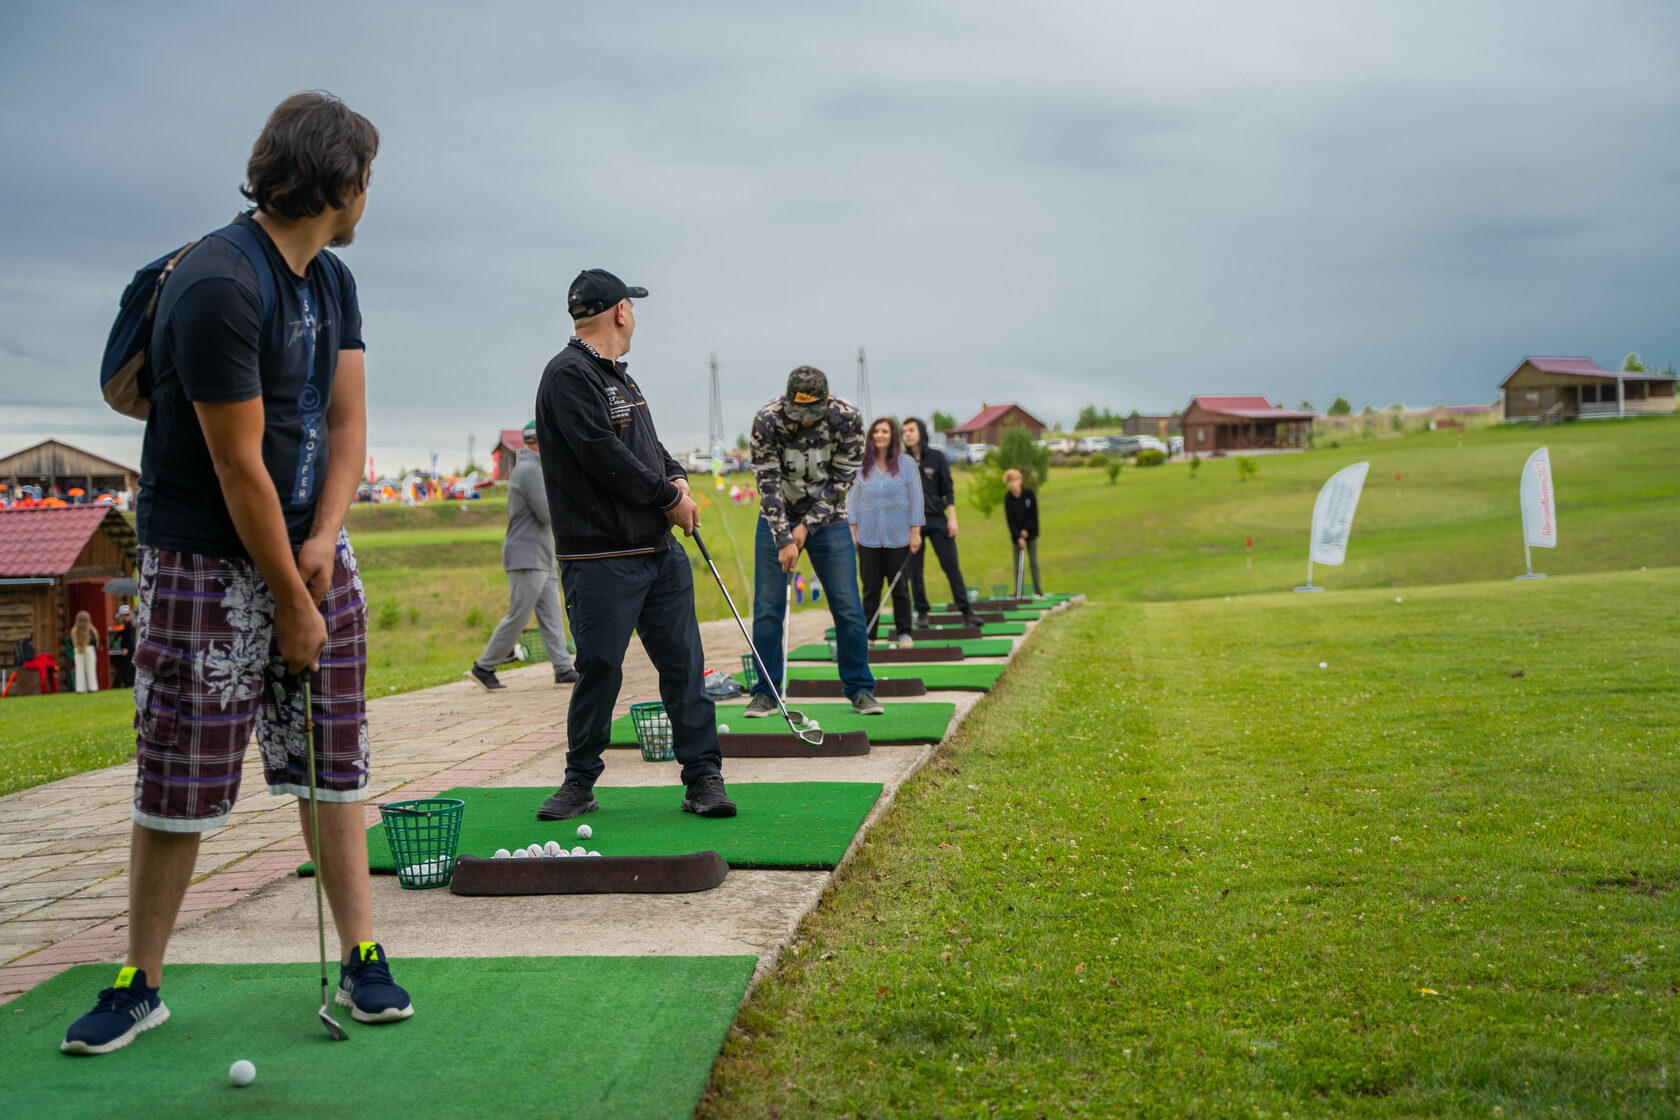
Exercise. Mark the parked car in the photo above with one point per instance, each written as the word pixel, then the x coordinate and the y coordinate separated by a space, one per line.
pixel 1123 445
pixel 976 453
pixel 1150 443
pixel 1090 445
pixel 699 462
pixel 1062 446
pixel 732 463
pixel 1175 445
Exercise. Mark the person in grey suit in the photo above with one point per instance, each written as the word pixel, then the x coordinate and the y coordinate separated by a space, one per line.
pixel 533 584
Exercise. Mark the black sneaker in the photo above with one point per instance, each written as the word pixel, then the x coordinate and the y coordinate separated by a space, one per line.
pixel 923 622
pixel 865 704
pixel 565 674
pixel 970 620
pixel 761 705
pixel 121 1012
pixel 485 677
pixel 706 798
pixel 570 800
pixel 366 988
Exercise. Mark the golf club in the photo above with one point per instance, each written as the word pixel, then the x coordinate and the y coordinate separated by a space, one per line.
pixel 787 629
pixel 1020 570
pixel 869 631
pixel 763 670
pixel 333 1028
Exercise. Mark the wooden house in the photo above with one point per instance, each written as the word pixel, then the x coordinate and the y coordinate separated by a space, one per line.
pixel 1549 390
pixel 54 563
pixel 1220 425
pixel 989 424
pixel 58 469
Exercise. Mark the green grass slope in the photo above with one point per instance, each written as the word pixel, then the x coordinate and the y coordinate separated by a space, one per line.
pixel 1173 866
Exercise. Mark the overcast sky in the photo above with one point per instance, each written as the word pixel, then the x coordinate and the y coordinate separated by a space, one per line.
pixel 1124 203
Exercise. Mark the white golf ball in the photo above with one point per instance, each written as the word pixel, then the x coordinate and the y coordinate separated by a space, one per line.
pixel 585 832
pixel 562 854
pixel 552 848
pixel 723 729
pixel 580 850
pixel 501 853
pixel 242 1072
pixel 594 853
pixel 535 850
pixel 1324 664
pixel 522 853
pixel 1398 599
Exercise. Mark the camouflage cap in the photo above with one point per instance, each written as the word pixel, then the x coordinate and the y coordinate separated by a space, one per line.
pixel 807 394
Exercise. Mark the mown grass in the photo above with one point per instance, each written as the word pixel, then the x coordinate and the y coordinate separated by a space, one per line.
pixel 44 738
pixel 1174 867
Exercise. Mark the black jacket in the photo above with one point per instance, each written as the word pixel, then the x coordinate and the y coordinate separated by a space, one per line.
pixel 1022 513
pixel 605 472
pixel 938 491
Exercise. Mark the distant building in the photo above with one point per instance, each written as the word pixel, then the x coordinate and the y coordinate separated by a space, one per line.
pixel 1217 425
pixel 506 452
pixel 1158 426
pixel 988 425
pixel 58 468
pixel 1547 390
pixel 55 563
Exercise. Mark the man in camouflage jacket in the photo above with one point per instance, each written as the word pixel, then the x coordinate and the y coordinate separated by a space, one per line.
pixel 806 450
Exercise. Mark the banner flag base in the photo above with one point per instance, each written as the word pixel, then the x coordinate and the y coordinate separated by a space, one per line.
pixel 1531 575
pixel 1309 587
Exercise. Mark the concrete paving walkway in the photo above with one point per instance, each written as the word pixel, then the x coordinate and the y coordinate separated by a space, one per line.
pixel 64 845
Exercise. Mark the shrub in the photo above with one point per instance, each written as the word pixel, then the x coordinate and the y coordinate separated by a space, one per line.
pixel 1246 468
pixel 1099 460
pixel 1114 472
pixel 390 613
pixel 1195 464
pixel 475 617
pixel 1151 457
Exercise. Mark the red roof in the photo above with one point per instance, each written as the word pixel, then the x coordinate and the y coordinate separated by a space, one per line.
pixel 990 415
pixel 1249 408
pixel 514 438
pixel 1581 367
pixel 45 541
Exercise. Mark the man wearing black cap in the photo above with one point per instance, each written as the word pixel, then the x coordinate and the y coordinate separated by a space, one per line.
pixel 806 450
pixel 614 492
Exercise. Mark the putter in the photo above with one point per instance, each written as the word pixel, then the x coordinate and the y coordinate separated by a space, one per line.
pixel 869 631
pixel 763 670
pixel 332 1026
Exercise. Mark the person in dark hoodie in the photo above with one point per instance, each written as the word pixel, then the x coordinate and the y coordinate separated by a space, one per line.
pixel 614 493
pixel 1020 509
pixel 939 496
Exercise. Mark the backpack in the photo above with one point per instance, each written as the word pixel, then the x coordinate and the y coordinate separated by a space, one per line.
pixel 125 374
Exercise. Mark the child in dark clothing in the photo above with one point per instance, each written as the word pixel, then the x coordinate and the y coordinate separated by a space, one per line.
pixel 1020 509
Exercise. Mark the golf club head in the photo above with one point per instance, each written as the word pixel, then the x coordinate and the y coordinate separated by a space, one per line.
pixel 333 1028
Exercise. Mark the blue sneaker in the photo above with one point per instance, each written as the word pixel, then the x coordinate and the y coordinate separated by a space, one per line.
pixel 122 1012
pixel 366 988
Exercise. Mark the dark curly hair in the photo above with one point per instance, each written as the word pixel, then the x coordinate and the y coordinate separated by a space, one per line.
pixel 313 153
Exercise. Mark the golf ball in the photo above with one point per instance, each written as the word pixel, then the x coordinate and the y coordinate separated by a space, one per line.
pixel 723 729
pixel 562 854
pixel 522 853
pixel 580 850
pixel 594 853
pixel 552 848
pixel 242 1072
pixel 1324 664
pixel 585 832
pixel 501 853
pixel 535 850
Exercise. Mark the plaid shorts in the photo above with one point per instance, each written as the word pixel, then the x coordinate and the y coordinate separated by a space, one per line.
pixel 207 670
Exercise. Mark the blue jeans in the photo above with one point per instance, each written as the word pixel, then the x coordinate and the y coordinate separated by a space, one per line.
pixel 835 562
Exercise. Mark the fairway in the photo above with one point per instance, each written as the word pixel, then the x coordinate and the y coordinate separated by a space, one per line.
pixel 638 1040
pixel 1173 866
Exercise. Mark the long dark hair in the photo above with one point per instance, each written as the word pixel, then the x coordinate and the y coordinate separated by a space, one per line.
pixel 313 153
pixel 921 437
pixel 894 448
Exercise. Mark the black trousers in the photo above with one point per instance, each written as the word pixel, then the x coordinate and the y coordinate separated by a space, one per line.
pixel 654 595
pixel 946 549
pixel 877 566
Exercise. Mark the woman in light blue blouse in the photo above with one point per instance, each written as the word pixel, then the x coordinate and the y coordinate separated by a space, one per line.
pixel 885 512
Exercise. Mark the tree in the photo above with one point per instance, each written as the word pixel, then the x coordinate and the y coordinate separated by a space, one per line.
pixel 943 420
pixel 1114 471
pixel 1016 449
pixel 1093 417
pixel 986 495
pixel 741 443
pixel 1632 364
pixel 1246 468
pixel 1340 407
pixel 1307 406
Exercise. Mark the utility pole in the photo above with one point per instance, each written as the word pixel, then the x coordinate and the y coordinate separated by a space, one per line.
pixel 714 428
pixel 863 401
pixel 472 441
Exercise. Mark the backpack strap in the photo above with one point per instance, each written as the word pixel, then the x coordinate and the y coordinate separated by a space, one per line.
pixel 246 242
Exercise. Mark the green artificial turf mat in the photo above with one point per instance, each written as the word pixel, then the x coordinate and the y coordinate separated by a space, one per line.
pixel 904 721
pixel 593 1037
pixel 987 629
pixel 936 675
pixel 799 826
pixel 979 647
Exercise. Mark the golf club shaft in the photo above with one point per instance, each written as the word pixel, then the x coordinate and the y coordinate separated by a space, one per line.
pixel 787 629
pixel 315 844
pixel 869 631
pixel 763 670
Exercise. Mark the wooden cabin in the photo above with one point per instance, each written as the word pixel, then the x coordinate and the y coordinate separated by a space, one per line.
pixel 988 425
pixel 54 563
pixel 61 471
pixel 1220 425
pixel 1550 390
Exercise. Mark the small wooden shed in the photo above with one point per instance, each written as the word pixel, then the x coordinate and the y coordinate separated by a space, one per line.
pixel 54 563
pixel 506 452
pixel 987 425
pixel 1217 425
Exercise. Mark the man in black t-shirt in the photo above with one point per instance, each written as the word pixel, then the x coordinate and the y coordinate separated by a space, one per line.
pixel 252 453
